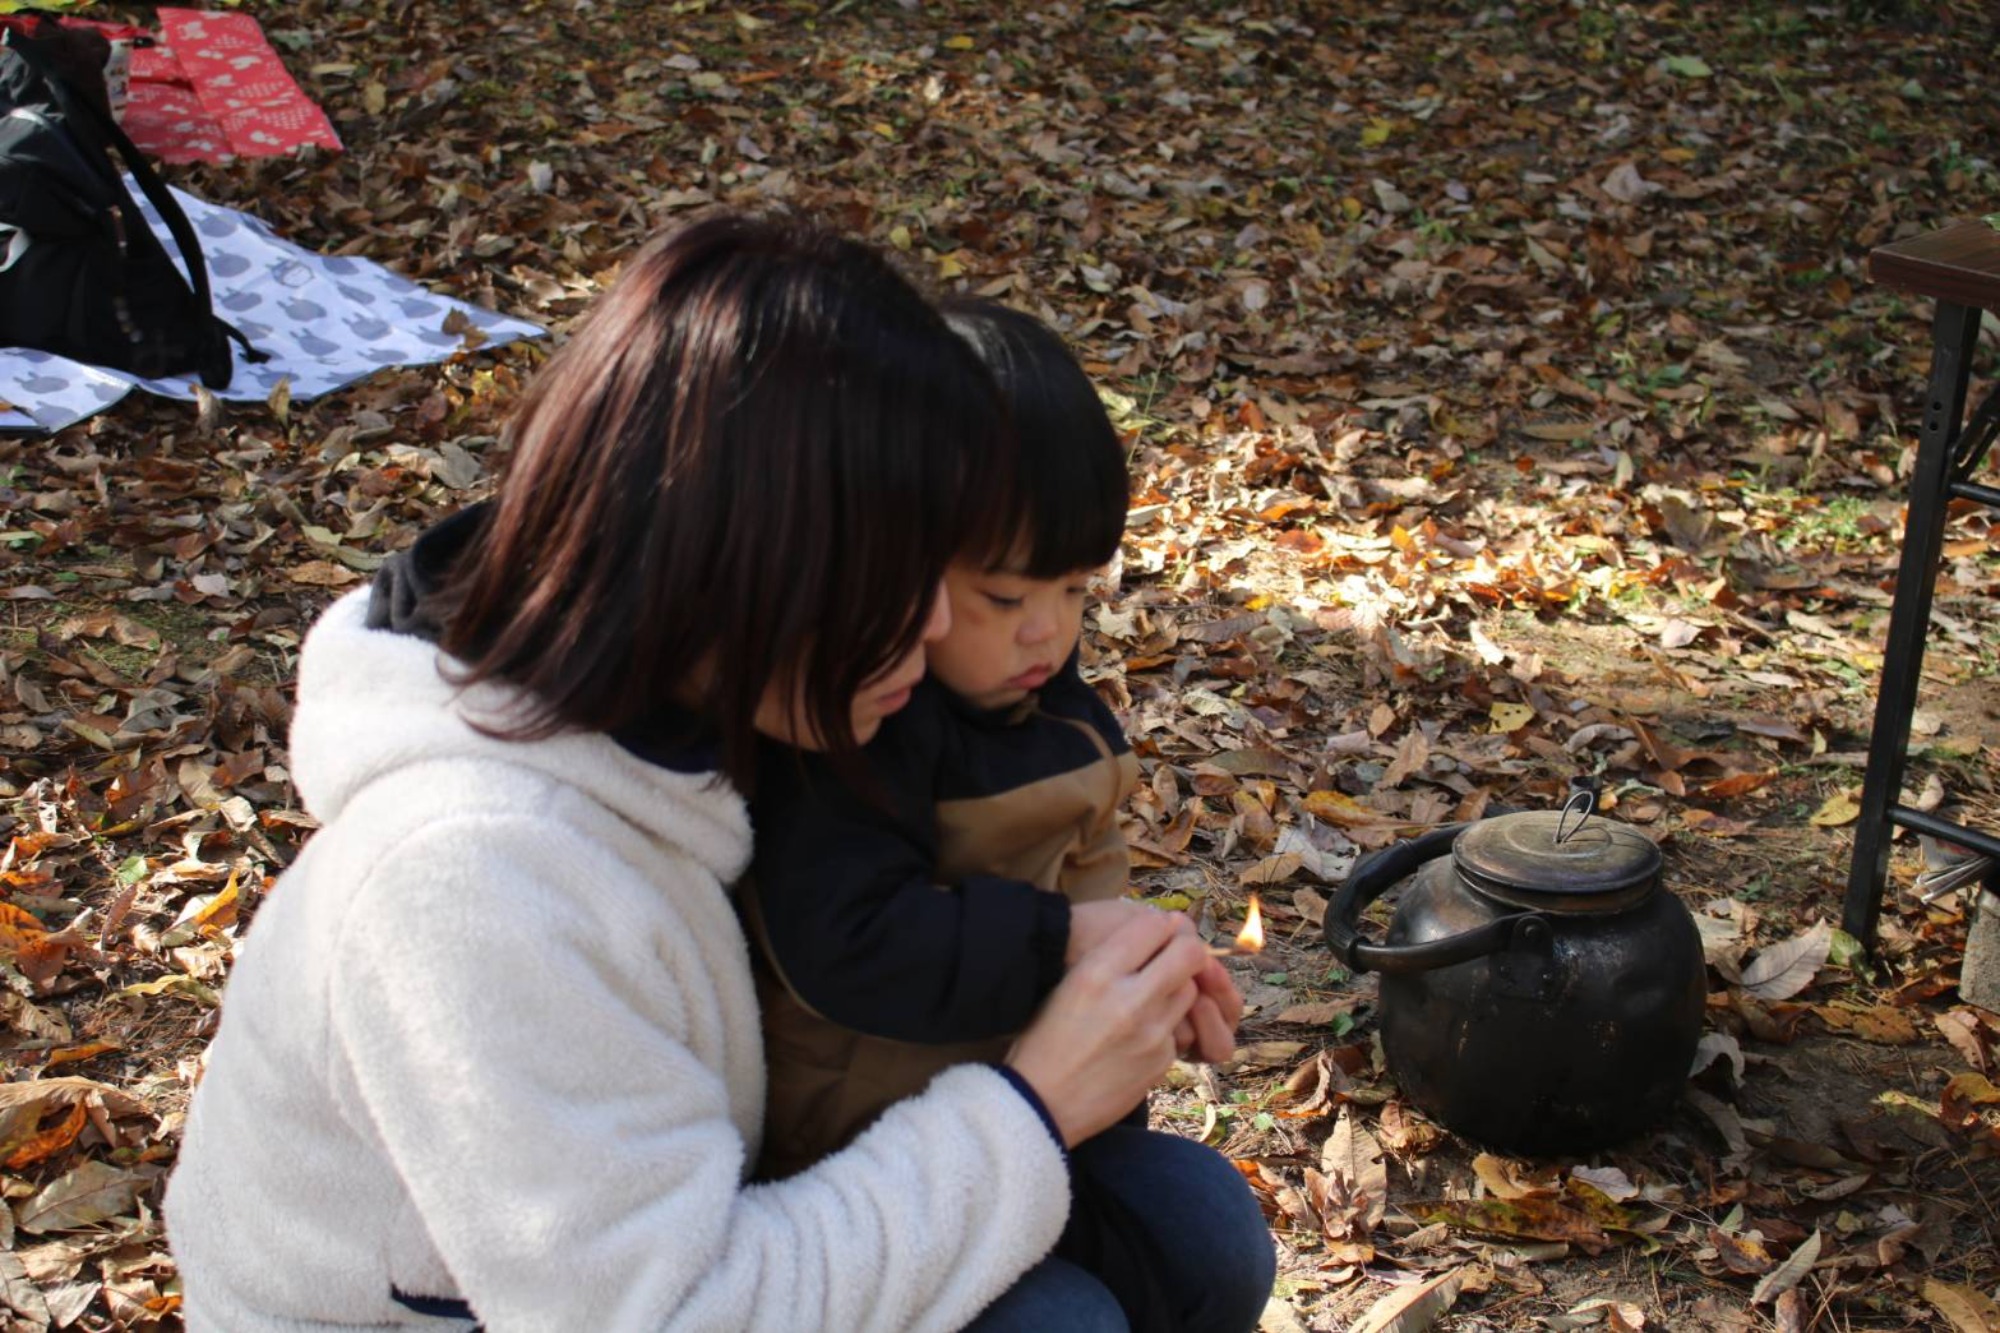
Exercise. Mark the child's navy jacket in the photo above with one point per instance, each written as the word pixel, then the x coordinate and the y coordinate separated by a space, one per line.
pixel 920 924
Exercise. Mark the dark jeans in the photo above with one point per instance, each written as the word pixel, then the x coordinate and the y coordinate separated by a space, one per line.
pixel 1164 1237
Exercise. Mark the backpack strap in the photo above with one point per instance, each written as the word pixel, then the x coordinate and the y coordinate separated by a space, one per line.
pixel 150 184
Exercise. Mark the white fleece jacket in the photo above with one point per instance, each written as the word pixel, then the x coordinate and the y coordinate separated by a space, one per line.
pixel 494 1037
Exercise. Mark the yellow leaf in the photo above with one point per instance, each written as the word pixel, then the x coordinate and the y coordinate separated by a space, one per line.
pixel 750 22
pixel 886 131
pixel 1843 807
pixel 374 99
pixel 899 236
pixel 39 1144
pixel 1376 133
pixel 949 267
pixel 1261 1055
pixel 220 913
pixel 90 1050
pixel 1338 808
pixel 1967 1309
pixel 184 986
pixel 1526 1219
pixel 1511 717
pixel 959 43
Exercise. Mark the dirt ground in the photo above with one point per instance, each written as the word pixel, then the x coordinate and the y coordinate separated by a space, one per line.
pixel 1509 404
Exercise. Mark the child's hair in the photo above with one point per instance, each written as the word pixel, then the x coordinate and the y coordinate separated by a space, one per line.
pixel 748 468
pixel 1066 508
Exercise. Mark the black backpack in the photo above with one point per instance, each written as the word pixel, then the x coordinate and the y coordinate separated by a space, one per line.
pixel 81 274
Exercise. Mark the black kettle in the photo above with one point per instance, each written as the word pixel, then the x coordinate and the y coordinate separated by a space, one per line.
pixel 1542 991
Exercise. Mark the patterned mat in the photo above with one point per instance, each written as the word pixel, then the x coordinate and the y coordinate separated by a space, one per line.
pixel 326 321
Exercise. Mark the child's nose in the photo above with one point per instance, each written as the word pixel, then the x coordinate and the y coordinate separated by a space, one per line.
pixel 1038 629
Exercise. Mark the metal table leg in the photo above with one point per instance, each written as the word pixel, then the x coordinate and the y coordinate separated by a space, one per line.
pixel 1954 333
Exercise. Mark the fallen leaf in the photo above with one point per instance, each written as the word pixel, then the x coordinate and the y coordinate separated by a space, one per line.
pixel 1786 968
pixel 1352 1160
pixel 1338 808
pixel 1843 807
pixel 24 1151
pixel 1966 1309
pixel 1414 1308
pixel 1261 1055
pixel 1964 1032
pixel 63 1091
pixel 1310 906
pixel 1958 1105
pixel 1506 1180
pixel 92 1192
pixel 1527 1218
pixel 1607 1180
pixel 1787 1274
pixel 1317 1013
pixel 1738 784
pixel 1740 1254
pixel 1884 1024
pixel 1715 1046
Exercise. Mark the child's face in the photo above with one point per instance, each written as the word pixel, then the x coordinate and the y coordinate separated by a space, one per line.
pixel 1009 633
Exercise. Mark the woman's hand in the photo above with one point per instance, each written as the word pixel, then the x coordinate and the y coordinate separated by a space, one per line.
pixel 1208 1033
pixel 1106 1034
pixel 1090 924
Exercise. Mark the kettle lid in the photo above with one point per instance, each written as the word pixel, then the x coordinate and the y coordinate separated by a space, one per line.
pixel 1548 861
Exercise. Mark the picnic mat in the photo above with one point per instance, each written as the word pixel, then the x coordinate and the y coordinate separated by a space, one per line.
pixel 207 87
pixel 326 321
pixel 212 89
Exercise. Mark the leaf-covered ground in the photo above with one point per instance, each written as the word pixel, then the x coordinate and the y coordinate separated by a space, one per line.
pixel 1509 402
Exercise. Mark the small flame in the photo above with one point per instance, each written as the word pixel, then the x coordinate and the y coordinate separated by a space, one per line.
pixel 1250 939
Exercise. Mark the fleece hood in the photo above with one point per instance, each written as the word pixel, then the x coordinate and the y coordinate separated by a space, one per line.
pixel 375 703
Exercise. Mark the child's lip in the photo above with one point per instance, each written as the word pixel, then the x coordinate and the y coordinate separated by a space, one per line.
pixel 1032 677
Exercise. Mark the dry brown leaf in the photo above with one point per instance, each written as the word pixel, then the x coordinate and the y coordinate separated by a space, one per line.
pixel 1505 1179
pixel 1966 1309
pixel 91 1192
pixel 1788 967
pixel 19 1292
pixel 1414 1308
pixel 37 1093
pixel 1966 1035
pixel 1740 1254
pixel 1885 1025
pixel 1352 1162
pixel 1317 1012
pixel 1337 808
pixel 1537 1218
pixel 1787 1274
pixel 1790 1314
pixel 1261 1055
pixel 1272 870
pixel 1310 906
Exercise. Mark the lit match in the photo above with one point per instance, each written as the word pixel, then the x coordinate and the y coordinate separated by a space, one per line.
pixel 1250 939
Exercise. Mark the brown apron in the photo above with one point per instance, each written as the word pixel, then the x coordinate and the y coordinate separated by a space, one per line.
pixel 827 1083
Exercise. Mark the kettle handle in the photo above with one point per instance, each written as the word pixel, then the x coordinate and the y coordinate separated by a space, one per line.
pixel 1370 879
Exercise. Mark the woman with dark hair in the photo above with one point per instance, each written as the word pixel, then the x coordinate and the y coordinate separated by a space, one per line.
pixel 491 1053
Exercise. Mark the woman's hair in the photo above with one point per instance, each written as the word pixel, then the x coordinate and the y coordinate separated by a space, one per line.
pixel 1065 508
pixel 748 468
